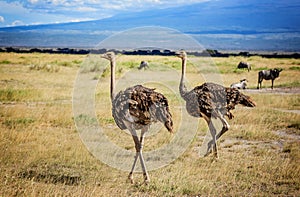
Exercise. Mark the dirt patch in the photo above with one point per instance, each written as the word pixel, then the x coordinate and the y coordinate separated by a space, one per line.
pixel 295 90
pixel 295 111
pixel 237 144
pixel 288 134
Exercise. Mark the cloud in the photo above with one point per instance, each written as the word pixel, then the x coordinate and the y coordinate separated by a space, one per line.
pixel 33 1
pixel 17 23
pixel 51 11
pixel 98 5
pixel 86 9
pixel 2 19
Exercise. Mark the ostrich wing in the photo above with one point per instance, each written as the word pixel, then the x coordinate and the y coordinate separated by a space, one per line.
pixel 141 106
pixel 211 100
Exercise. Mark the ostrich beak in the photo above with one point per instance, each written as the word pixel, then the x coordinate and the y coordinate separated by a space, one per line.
pixel 181 54
pixel 177 54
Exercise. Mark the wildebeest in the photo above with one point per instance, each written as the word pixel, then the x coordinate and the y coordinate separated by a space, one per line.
pixel 271 74
pixel 244 65
pixel 143 65
pixel 241 85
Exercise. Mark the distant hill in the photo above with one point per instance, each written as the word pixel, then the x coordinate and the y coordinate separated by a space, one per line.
pixel 222 25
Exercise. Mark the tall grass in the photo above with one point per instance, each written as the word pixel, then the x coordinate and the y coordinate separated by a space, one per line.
pixel 43 155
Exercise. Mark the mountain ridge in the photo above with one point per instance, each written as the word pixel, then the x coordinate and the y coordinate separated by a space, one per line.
pixel 230 24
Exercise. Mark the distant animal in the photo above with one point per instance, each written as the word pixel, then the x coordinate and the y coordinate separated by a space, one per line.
pixel 136 108
pixel 211 100
pixel 242 65
pixel 143 65
pixel 241 85
pixel 271 74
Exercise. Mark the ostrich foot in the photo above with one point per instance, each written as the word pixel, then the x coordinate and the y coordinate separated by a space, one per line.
pixel 130 177
pixel 146 178
pixel 215 157
pixel 208 152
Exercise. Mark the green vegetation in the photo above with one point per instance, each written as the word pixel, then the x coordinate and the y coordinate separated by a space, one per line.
pixel 18 94
pixel 295 68
pixel 5 62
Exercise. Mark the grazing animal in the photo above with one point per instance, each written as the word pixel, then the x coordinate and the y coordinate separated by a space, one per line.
pixel 137 108
pixel 211 100
pixel 241 85
pixel 271 74
pixel 143 65
pixel 242 65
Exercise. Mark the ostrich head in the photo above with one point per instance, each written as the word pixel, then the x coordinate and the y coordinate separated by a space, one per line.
pixel 109 56
pixel 181 54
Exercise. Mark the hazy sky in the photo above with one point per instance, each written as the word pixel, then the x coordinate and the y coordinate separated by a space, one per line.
pixel 29 12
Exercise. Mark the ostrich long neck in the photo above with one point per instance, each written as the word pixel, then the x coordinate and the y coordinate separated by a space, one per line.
pixel 112 79
pixel 182 87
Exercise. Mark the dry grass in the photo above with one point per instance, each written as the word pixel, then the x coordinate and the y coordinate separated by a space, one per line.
pixel 43 155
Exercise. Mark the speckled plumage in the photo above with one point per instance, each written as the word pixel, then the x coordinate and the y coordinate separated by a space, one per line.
pixel 141 106
pixel 211 100
pixel 136 108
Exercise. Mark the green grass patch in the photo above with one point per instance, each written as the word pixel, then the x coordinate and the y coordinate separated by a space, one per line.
pixel 295 62
pixel 261 68
pixel 5 62
pixel 76 61
pixel 288 84
pixel 106 120
pixel 18 94
pixel 295 68
pixel 83 119
pixel 65 64
pixel 129 65
pixel 14 123
pixel 238 71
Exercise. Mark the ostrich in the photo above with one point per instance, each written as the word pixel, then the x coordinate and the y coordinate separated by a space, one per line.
pixel 211 100
pixel 135 109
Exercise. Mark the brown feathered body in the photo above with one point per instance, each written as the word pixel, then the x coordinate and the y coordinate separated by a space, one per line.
pixel 211 100
pixel 136 108
pixel 141 106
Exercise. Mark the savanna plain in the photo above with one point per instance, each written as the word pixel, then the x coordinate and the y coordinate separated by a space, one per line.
pixel 42 153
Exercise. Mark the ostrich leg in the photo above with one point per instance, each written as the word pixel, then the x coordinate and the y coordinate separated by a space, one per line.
pixel 213 142
pixel 138 148
pixel 224 129
pixel 145 173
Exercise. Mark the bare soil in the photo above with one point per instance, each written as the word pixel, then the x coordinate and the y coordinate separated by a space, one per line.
pixel 295 90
